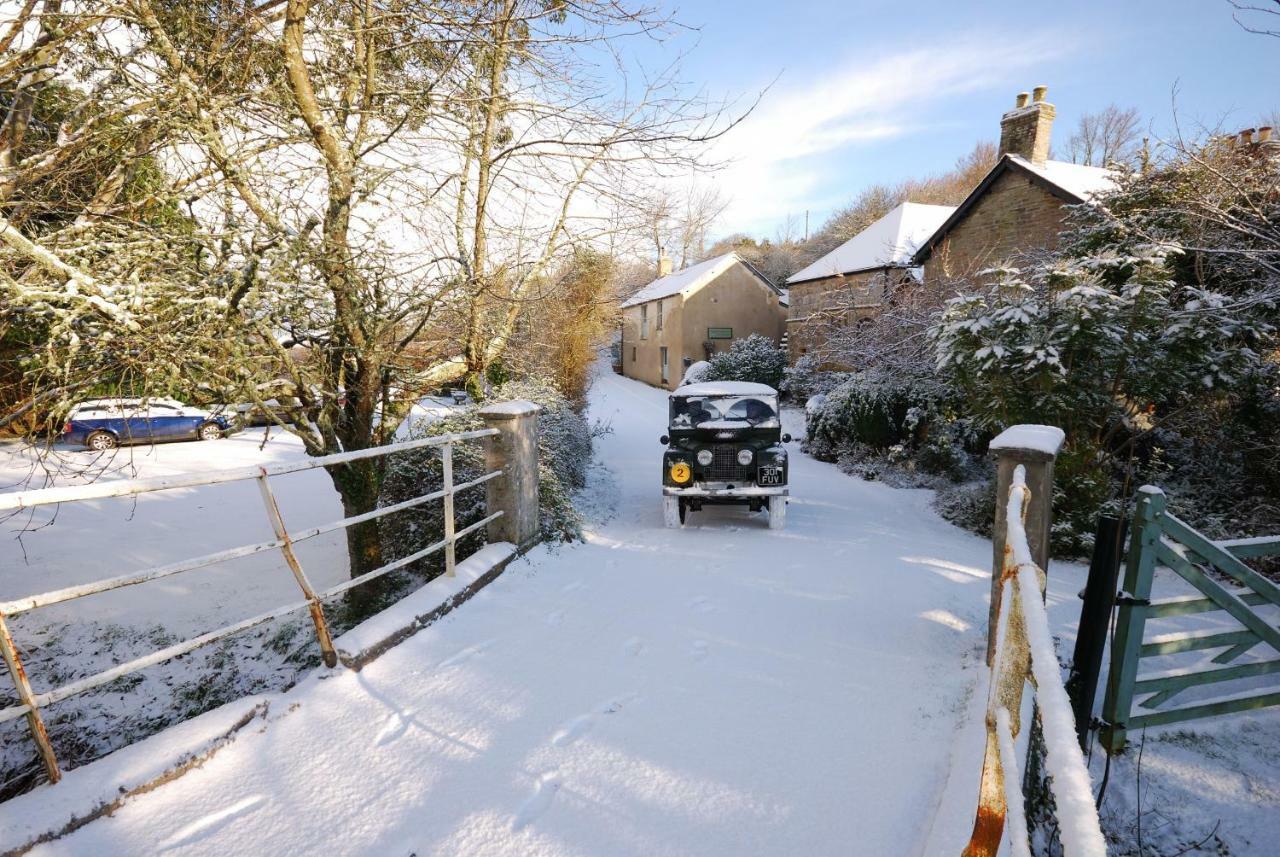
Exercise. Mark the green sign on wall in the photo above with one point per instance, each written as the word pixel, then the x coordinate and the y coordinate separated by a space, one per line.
pixel 719 333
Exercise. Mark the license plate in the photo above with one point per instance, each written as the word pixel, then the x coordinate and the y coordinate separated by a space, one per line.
pixel 771 475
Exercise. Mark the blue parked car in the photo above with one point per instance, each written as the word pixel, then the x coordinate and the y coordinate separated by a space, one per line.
pixel 102 424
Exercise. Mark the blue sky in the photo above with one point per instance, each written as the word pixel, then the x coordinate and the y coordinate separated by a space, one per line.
pixel 879 90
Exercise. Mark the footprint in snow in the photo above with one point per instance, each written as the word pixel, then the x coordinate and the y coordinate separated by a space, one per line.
pixel 538 802
pixel 555 617
pixel 397 724
pixel 702 604
pixel 699 650
pixel 571 587
pixel 465 655
pixel 633 646
pixel 576 727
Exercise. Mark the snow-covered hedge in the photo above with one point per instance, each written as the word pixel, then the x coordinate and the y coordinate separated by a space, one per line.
pixel 807 379
pixel 871 408
pixel 757 359
pixel 564 438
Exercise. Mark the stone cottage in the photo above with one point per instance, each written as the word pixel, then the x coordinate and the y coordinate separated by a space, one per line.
pixel 691 314
pixel 1019 207
pixel 853 281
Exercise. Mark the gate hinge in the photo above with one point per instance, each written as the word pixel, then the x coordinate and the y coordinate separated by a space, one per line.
pixel 1126 600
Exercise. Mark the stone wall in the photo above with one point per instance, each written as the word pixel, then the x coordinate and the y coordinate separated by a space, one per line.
pixel 1015 215
pixel 817 305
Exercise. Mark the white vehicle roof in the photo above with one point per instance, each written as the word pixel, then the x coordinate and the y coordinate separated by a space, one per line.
pixel 725 388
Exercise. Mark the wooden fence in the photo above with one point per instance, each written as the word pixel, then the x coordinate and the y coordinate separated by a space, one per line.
pixel 1159 538
pixel 284 541
pixel 1024 652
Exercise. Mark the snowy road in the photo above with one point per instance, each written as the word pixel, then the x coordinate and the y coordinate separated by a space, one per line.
pixel 720 690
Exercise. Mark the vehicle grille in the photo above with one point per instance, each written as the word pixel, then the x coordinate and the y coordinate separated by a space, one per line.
pixel 725 467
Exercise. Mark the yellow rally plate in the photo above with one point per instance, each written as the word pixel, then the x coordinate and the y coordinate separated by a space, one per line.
pixel 680 472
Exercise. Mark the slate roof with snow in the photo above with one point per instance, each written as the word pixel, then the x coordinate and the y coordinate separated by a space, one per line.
pixel 1072 183
pixel 1077 179
pixel 889 242
pixel 690 279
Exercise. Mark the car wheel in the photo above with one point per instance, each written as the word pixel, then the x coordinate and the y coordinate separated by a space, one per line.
pixel 777 512
pixel 210 431
pixel 672 512
pixel 684 510
pixel 101 441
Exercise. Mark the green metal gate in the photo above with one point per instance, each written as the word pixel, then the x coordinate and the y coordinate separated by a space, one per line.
pixel 1159 538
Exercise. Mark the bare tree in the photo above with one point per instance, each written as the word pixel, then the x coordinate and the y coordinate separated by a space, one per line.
pixel 1112 135
pixel 677 221
pixel 358 195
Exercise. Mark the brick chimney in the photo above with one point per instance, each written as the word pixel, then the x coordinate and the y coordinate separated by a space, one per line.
pixel 1025 129
pixel 664 265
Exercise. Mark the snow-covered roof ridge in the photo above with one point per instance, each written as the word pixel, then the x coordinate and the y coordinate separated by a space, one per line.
pixel 687 279
pixel 725 388
pixel 1077 179
pixel 889 242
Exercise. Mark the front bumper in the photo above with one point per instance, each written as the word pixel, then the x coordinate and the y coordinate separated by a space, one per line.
pixel 712 490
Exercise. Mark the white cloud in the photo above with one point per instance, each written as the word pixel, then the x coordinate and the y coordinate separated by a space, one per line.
pixel 776 155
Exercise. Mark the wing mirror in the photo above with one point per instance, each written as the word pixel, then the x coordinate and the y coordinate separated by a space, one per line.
pixel 664 440
pixel 786 438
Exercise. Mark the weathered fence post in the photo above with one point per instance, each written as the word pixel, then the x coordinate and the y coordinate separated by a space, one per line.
pixel 514 450
pixel 1035 448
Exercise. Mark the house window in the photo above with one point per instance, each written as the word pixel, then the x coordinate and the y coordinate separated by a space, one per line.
pixel 719 333
pixel 659 325
pixel 665 375
pixel 633 354
pixel 644 321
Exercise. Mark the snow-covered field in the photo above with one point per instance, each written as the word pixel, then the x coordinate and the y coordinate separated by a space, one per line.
pixel 720 690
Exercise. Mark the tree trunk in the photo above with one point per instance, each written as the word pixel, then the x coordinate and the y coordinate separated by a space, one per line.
pixel 358 484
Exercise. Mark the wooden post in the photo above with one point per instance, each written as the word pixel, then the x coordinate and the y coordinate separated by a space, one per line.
pixel 450 554
pixel 1036 448
pixel 1132 617
pixel 327 652
pixel 28 698
pixel 514 451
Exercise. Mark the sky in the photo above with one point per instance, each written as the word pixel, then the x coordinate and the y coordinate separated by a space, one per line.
pixel 867 91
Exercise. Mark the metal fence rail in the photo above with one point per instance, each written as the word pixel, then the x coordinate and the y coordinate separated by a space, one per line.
pixel 1024 652
pixel 31 702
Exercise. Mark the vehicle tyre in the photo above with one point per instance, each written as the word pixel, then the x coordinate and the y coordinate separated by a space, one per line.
pixel 101 441
pixel 672 513
pixel 684 510
pixel 777 512
pixel 210 431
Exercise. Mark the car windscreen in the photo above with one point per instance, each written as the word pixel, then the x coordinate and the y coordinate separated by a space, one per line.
pixel 723 412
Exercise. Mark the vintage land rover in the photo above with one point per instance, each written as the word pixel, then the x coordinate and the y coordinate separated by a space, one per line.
pixel 724 447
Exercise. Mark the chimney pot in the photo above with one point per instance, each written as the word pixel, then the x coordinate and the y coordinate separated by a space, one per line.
pixel 1246 136
pixel 1264 134
pixel 1023 98
pixel 1025 130
pixel 664 265
pixel 1039 93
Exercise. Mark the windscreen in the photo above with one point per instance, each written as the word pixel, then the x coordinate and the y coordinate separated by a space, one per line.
pixel 723 412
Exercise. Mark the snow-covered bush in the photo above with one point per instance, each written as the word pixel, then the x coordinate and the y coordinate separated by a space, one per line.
pixel 871 408
pixel 806 379
pixel 757 359
pixel 696 373
pixel 564 455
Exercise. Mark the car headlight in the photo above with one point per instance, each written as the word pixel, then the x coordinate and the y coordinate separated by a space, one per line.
pixel 704 457
pixel 745 456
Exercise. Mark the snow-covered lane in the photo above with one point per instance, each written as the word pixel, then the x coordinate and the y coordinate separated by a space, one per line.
pixel 720 690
